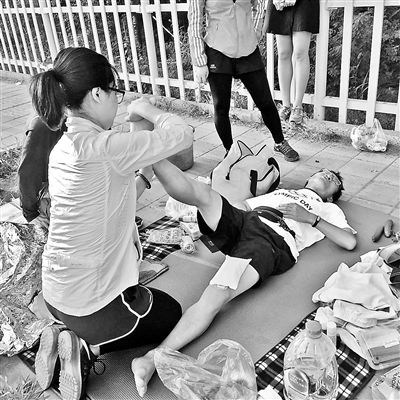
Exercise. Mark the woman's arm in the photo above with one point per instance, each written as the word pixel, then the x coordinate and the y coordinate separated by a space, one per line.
pixel 195 32
pixel 258 12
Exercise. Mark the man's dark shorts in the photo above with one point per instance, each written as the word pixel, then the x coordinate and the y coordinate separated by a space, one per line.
pixel 242 234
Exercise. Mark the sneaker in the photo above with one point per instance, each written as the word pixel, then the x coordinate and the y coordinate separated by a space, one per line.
pixel 76 361
pixel 139 222
pixel 297 115
pixel 288 152
pixel 47 364
pixel 284 113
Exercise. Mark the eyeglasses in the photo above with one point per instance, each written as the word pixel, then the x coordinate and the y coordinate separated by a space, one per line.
pixel 119 93
pixel 331 177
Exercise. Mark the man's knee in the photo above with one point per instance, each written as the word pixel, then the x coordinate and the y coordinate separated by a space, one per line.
pixel 214 298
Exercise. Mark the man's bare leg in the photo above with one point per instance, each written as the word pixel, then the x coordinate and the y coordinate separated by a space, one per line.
pixel 195 320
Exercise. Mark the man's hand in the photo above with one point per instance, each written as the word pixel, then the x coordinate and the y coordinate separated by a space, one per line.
pixel 279 4
pixel 297 213
pixel 200 74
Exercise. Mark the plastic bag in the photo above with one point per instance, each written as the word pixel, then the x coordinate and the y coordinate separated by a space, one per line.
pixel 176 209
pixel 369 138
pixel 224 371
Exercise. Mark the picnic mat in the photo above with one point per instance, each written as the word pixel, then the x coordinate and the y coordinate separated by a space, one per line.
pixel 354 371
pixel 257 320
pixel 151 269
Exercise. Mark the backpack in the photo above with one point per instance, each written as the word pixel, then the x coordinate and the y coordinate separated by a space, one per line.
pixel 243 174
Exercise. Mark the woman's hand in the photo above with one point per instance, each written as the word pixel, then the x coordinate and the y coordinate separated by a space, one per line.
pixel 297 213
pixel 200 74
pixel 134 108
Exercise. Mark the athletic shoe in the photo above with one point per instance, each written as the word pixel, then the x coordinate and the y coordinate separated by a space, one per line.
pixel 288 152
pixel 297 115
pixel 47 365
pixel 139 222
pixel 284 113
pixel 76 361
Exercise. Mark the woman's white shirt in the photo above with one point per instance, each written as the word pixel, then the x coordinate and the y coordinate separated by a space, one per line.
pixel 93 249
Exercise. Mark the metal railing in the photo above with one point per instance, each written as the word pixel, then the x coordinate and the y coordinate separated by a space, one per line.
pixel 146 41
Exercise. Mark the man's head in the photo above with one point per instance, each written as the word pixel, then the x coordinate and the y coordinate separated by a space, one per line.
pixel 327 183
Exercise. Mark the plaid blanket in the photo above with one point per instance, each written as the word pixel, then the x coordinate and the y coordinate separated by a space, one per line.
pixel 354 371
pixel 151 251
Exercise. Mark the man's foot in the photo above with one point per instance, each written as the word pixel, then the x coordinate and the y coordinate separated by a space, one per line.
pixel 288 152
pixel 143 369
pixel 76 361
pixel 297 115
pixel 47 356
pixel 284 113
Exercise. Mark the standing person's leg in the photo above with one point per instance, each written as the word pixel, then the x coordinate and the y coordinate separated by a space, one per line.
pixel 257 84
pixel 285 71
pixel 220 85
pixel 301 45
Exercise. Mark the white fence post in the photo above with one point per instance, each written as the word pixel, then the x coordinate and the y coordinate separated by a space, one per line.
pixel 321 62
pixel 150 45
pixel 48 29
pixel 374 63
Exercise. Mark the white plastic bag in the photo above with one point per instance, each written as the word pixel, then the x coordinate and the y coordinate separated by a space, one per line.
pixel 224 371
pixel 369 138
pixel 176 209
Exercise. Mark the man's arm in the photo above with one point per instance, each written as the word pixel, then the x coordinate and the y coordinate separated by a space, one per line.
pixel 343 237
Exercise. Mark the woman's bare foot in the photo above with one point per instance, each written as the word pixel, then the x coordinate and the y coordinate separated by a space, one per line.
pixel 143 369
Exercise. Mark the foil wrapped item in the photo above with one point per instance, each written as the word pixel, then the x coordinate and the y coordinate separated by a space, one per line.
pixel 21 248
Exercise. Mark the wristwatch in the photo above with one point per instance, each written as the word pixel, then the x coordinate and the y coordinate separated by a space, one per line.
pixel 316 221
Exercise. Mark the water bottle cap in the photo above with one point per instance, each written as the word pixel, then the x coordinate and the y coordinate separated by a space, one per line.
pixel 314 329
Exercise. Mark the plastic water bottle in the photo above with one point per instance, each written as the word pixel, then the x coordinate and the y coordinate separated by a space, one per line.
pixel 310 367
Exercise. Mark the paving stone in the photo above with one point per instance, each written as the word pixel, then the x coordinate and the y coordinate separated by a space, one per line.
pixel 353 184
pixel 342 150
pixel 217 154
pixel 396 214
pixel 384 208
pixel 384 194
pixel 299 174
pixel 390 176
pixel 201 147
pixel 8 142
pixel 252 138
pixel 203 166
pixel 324 159
pixel 200 132
pixel 362 168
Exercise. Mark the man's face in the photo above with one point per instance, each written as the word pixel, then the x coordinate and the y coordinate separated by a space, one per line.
pixel 325 183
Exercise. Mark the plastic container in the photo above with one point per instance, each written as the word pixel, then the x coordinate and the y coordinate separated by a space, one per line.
pixel 310 367
pixel 184 159
pixel 381 345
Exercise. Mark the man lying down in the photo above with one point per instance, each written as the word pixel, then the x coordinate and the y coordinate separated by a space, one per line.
pixel 256 240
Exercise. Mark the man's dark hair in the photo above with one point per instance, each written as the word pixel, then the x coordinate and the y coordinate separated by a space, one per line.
pixel 338 193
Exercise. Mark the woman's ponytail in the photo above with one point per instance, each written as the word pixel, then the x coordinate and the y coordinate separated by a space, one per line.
pixel 48 97
pixel 76 70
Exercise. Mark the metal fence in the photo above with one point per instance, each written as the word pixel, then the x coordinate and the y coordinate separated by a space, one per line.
pixel 147 42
